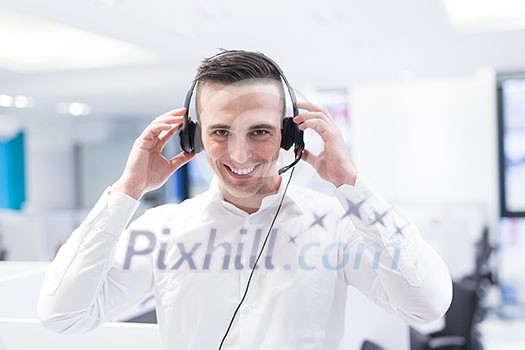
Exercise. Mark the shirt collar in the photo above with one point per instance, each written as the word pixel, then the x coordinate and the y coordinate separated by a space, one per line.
pixel 216 202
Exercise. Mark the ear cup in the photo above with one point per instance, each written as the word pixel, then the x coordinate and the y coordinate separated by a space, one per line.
pixel 290 133
pixel 184 139
pixel 190 137
pixel 196 137
pixel 286 134
pixel 298 137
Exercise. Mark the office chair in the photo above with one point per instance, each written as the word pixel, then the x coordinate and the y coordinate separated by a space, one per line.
pixel 483 271
pixel 464 312
pixel 369 345
pixel 459 321
pixel 483 275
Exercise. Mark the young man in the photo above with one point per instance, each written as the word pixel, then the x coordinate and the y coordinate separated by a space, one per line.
pixel 198 256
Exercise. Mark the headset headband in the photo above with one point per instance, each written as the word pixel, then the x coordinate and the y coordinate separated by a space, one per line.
pixel 291 92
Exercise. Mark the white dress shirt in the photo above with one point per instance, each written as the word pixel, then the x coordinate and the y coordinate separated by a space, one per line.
pixel 197 256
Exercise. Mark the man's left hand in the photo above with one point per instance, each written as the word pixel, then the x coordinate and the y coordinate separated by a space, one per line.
pixel 334 163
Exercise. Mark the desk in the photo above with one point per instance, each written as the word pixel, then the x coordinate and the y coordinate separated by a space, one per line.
pixel 20 329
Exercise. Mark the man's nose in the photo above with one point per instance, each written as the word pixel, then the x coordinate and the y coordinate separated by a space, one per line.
pixel 240 149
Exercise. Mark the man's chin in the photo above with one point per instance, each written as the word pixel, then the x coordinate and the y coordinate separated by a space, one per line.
pixel 239 192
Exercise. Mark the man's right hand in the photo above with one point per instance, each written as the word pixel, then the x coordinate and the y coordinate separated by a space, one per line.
pixel 147 169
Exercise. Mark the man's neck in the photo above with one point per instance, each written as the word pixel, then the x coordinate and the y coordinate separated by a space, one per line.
pixel 253 203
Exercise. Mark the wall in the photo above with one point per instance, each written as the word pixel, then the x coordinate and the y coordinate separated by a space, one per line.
pixel 430 147
pixel 56 198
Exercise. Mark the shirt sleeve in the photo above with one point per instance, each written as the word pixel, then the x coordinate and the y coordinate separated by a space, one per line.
pixel 392 264
pixel 87 284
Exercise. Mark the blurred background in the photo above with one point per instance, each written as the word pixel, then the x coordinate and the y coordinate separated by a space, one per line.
pixel 430 96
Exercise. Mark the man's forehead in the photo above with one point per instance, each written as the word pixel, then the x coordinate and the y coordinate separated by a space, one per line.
pixel 236 100
pixel 243 119
pixel 243 89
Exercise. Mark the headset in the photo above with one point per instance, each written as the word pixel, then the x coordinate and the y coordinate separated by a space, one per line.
pixel 190 132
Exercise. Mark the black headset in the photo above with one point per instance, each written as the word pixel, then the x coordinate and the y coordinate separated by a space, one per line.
pixel 190 132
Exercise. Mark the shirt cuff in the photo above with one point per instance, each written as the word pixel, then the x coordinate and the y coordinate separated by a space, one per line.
pixel 112 212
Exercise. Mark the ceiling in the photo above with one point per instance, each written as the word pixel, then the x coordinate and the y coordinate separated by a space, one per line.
pixel 324 44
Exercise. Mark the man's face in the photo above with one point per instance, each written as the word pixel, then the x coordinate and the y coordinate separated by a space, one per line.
pixel 241 134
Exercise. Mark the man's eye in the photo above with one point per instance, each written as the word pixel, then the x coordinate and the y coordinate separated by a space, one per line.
pixel 221 133
pixel 260 132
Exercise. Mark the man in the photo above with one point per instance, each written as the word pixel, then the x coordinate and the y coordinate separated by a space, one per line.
pixel 204 257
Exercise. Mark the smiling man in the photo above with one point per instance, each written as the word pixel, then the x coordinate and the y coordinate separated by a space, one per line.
pixel 241 125
pixel 202 257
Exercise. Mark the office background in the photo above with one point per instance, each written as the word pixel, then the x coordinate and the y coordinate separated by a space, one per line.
pixel 429 96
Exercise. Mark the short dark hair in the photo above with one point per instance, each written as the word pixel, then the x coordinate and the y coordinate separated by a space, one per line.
pixel 234 67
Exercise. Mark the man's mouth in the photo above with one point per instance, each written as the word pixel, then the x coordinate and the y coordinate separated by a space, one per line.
pixel 241 171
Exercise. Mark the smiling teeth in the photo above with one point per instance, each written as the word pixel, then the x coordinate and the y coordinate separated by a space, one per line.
pixel 242 171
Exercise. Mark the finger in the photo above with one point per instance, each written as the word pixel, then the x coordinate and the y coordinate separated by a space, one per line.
pixel 310 115
pixel 309 157
pixel 318 125
pixel 164 126
pixel 175 115
pixel 174 112
pixel 177 124
pixel 312 107
pixel 180 159
pixel 163 120
pixel 172 119
pixel 153 130
pixel 165 135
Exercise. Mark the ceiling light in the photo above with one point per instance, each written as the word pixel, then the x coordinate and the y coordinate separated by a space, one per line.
pixel 77 109
pixel 31 45
pixel 486 15
pixel 6 101
pixel 21 101
pixel 74 108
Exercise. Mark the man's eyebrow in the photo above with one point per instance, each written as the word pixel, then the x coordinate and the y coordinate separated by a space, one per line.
pixel 262 126
pixel 219 126
pixel 253 127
